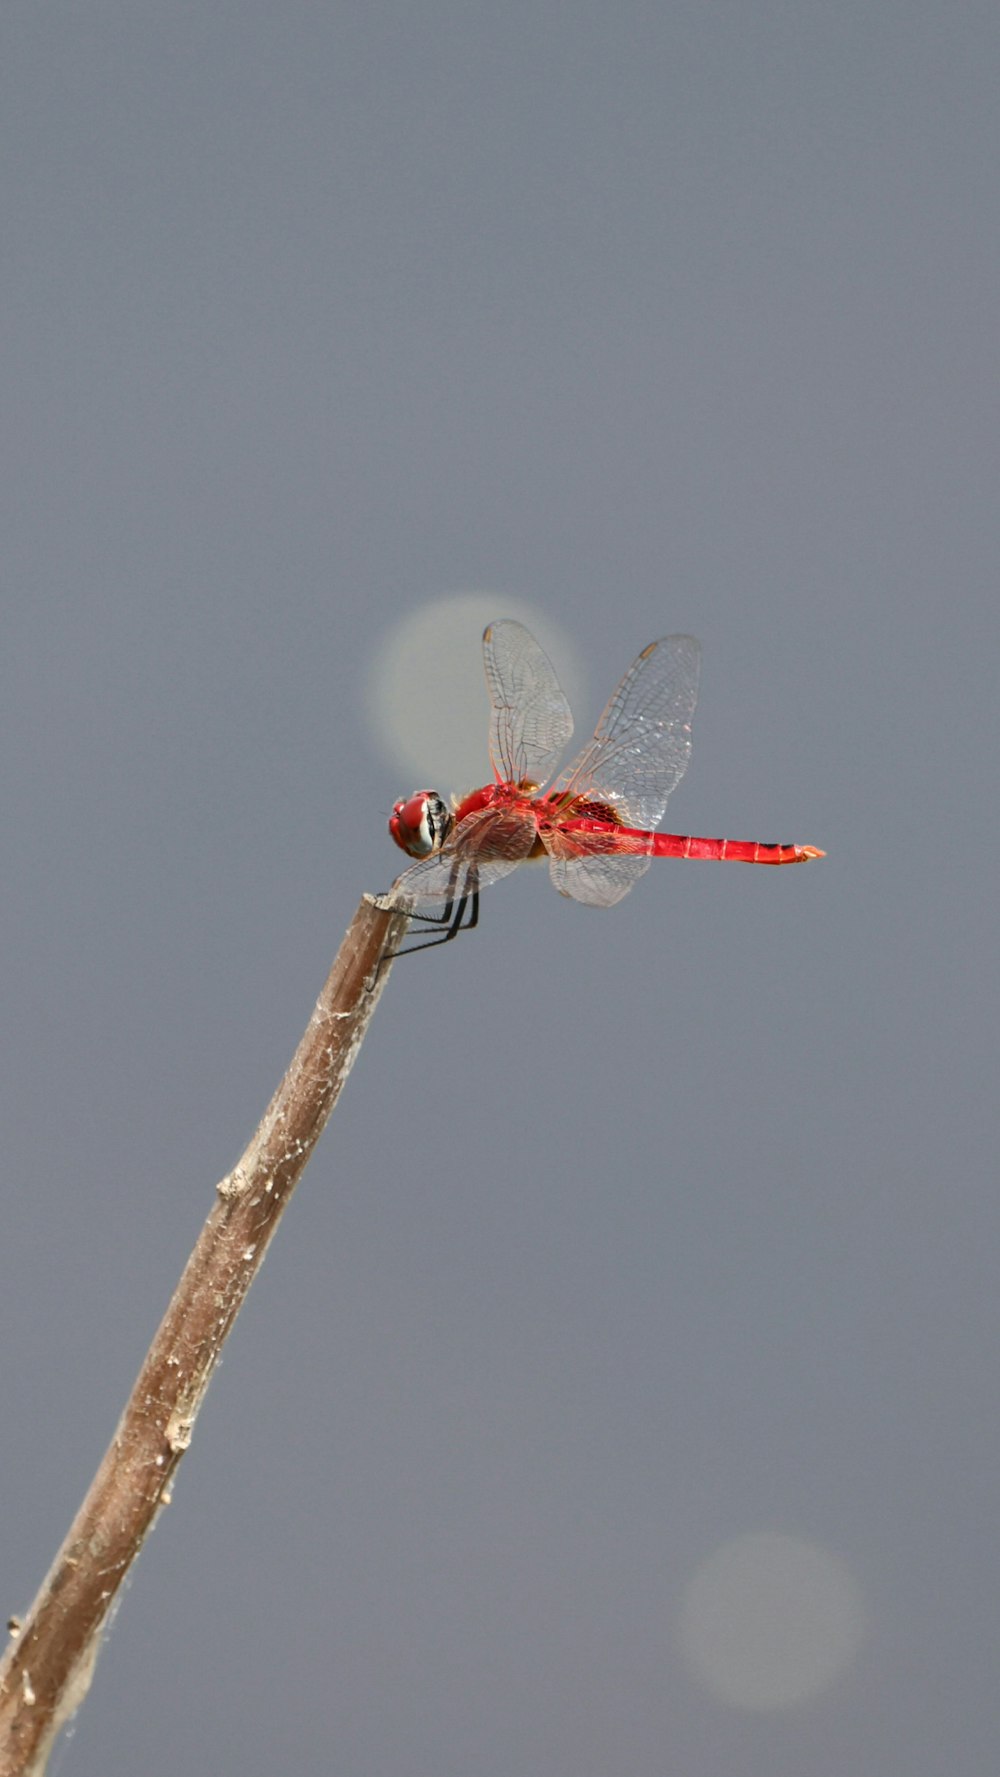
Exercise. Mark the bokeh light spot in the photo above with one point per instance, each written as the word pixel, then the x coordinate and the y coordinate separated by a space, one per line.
pixel 427 702
pixel 769 1621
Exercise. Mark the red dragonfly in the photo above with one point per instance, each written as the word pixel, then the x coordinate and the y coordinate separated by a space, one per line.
pixel 594 823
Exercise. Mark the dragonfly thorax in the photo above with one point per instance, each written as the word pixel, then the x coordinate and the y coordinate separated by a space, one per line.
pixel 421 824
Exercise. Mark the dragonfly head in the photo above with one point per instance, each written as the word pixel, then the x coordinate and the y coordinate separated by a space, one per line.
pixel 421 824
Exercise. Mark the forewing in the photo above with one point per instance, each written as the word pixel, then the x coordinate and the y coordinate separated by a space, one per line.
pixel 531 721
pixel 596 868
pixel 484 847
pixel 642 745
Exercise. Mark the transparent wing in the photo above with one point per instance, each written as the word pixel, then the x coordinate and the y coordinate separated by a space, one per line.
pixel 482 848
pixel 597 868
pixel 531 720
pixel 642 745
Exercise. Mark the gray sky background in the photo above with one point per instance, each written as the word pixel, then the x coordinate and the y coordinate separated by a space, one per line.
pixel 636 1231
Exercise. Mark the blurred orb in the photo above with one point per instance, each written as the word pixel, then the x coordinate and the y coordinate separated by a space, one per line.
pixel 427 703
pixel 769 1621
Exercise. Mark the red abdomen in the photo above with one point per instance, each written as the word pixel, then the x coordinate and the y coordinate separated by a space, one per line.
pixel 606 837
pixel 735 851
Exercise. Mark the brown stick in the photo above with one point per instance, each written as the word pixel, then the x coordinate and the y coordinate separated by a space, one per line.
pixel 47 1668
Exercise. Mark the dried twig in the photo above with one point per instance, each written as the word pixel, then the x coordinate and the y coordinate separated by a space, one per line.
pixel 46 1671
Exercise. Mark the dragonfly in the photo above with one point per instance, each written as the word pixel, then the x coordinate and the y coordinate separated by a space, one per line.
pixel 595 822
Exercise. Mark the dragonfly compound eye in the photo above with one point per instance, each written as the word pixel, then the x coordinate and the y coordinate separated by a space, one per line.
pixel 421 824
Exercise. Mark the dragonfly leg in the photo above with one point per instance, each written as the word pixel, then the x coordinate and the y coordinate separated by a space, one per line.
pixel 450 921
